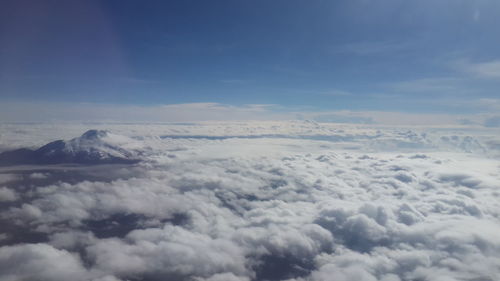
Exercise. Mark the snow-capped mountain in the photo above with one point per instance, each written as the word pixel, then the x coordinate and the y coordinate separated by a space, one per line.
pixel 93 147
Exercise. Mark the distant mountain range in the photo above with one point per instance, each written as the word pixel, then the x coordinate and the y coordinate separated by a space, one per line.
pixel 93 147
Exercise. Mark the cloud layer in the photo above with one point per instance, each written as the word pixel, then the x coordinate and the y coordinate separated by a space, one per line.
pixel 316 203
pixel 475 110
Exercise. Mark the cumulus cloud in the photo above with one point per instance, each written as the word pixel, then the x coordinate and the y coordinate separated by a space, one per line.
pixel 39 262
pixel 4 178
pixel 7 194
pixel 168 253
pixel 263 201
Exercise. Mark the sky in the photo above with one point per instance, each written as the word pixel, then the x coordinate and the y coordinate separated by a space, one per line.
pixel 358 55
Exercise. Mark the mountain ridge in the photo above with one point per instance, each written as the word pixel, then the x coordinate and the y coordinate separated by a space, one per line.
pixel 92 147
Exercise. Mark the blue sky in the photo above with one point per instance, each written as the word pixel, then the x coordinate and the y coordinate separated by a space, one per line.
pixel 410 56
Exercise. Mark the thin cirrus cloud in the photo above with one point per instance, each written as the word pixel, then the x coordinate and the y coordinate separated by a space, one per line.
pixel 487 69
pixel 16 112
pixel 369 48
pixel 293 50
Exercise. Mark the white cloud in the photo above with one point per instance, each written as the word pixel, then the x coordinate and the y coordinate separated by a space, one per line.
pixel 36 112
pixel 39 262
pixel 7 194
pixel 92 114
pixel 336 93
pixel 387 118
pixel 284 200
pixel 4 178
pixel 38 176
pixel 224 277
pixel 171 252
pixel 428 85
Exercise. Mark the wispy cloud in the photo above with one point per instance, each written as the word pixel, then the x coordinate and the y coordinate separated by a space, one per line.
pixel 28 112
pixel 487 69
pixel 386 118
pixel 336 93
pixel 493 104
pixel 366 48
pixel 234 81
pixel 428 85
pixel 211 111
pixel 477 15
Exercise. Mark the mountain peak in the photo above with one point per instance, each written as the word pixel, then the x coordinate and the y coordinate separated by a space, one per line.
pixel 94 134
pixel 93 147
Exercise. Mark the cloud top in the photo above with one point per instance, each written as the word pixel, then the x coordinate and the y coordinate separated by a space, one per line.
pixel 354 204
